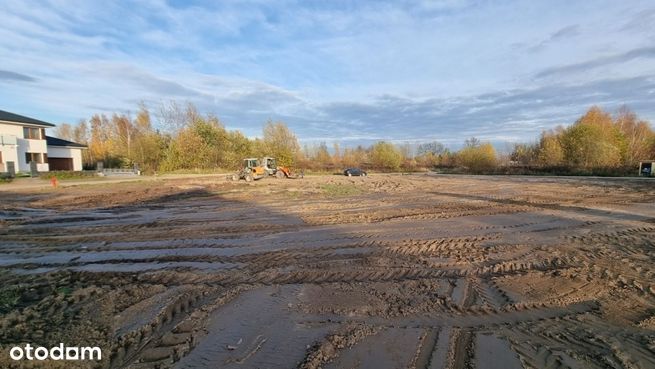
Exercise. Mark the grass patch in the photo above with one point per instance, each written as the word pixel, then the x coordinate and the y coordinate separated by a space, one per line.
pixel 65 290
pixel 294 194
pixel 64 175
pixel 9 298
pixel 341 189
pixel 316 172
pixel 197 171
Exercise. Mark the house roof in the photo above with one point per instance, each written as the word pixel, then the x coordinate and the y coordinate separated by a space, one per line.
pixel 15 118
pixel 53 141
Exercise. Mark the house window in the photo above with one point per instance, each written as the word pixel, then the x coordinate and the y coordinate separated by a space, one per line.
pixel 33 133
pixel 33 157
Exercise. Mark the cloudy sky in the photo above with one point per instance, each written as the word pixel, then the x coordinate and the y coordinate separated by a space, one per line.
pixel 352 71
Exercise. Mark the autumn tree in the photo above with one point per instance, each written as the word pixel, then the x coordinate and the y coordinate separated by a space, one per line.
pixel 477 157
pixel 100 140
pixel 447 158
pixel 336 155
pixel 593 141
pixel 650 152
pixel 435 148
pixel 281 143
pixel 238 147
pixel 148 145
pixel 550 151
pixel 200 145
pixel 173 117
pixel 354 157
pixel 322 157
pixel 472 142
pixel 524 154
pixel 186 152
pixel 428 154
pixel 64 131
pixel 637 136
pixel 386 156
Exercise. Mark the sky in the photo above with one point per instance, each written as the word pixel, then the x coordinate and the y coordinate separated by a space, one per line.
pixel 347 71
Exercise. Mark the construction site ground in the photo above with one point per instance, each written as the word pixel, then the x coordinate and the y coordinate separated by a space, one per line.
pixel 387 271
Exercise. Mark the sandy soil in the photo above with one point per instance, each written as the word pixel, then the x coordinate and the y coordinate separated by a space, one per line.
pixel 419 271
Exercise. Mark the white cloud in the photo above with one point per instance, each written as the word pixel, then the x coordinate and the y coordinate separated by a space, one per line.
pixel 362 70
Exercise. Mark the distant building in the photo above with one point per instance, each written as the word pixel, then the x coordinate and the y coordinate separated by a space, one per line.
pixel 64 155
pixel 23 140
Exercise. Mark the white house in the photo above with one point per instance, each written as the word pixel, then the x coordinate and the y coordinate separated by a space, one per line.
pixel 64 155
pixel 23 140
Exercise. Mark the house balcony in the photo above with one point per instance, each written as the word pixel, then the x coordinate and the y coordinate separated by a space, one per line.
pixel 6 140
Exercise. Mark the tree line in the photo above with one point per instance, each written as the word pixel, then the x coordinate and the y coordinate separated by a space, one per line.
pixel 187 140
pixel 595 143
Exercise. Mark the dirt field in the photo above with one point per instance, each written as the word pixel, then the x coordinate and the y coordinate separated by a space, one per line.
pixel 380 272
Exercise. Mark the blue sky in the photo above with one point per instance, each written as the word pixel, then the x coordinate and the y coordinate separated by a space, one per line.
pixel 351 71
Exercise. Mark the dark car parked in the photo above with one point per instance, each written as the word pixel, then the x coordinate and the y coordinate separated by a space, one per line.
pixel 354 172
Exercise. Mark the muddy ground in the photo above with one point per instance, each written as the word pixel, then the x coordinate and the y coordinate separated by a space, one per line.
pixel 388 271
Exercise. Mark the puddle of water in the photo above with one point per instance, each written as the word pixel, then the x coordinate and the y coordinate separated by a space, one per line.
pixel 63 257
pixel 100 256
pixel 459 292
pixel 492 352
pixel 23 213
pixel 34 271
pixel 132 267
pixel 136 267
pixel 391 348
pixel 353 251
pixel 261 325
pixel 439 358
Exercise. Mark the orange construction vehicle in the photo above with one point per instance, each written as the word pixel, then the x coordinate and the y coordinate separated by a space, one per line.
pixel 250 171
pixel 272 169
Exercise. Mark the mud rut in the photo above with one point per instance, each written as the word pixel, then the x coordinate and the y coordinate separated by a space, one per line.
pixel 412 272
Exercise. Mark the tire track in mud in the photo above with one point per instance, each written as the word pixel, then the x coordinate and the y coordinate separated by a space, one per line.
pixel 275 269
pixel 417 214
pixel 473 318
pixel 567 342
pixel 175 337
pixel 448 341
pixel 426 349
pixel 459 347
